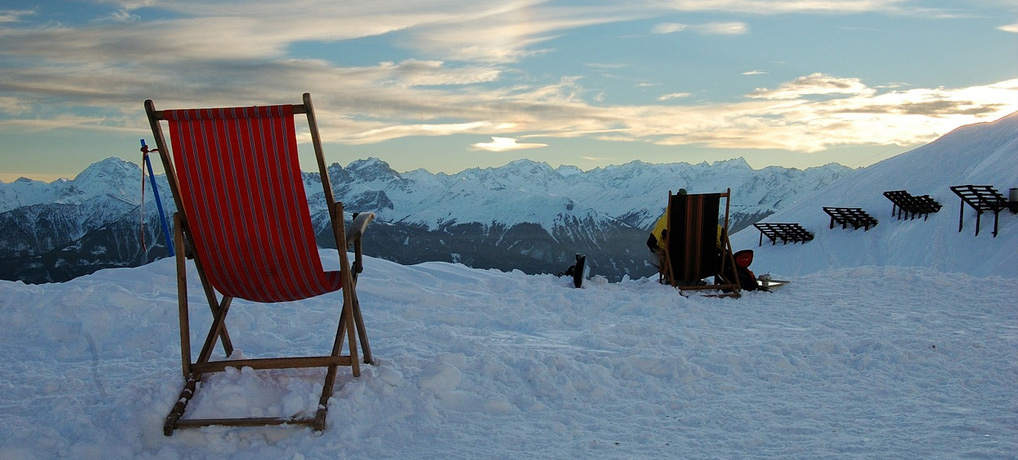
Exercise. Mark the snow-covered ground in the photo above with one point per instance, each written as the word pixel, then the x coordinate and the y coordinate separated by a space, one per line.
pixel 896 343
pixel 866 362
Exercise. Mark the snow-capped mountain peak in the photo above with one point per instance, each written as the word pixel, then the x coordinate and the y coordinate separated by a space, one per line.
pixel 533 215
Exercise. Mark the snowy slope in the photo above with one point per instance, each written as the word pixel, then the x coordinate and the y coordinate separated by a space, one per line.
pixel 981 154
pixel 486 364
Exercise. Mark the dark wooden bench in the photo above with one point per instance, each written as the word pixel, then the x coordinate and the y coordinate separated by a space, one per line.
pixel 786 232
pixel 982 198
pixel 855 217
pixel 905 205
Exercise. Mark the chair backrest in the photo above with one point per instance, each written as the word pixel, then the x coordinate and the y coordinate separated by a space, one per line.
pixel 240 184
pixel 693 236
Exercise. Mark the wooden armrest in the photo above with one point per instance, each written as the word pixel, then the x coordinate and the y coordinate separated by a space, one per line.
pixel 359 225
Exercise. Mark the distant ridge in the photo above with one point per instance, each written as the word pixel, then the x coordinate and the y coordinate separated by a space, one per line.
pixel 524 215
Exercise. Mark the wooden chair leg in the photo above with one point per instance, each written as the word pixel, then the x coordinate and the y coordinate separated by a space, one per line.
pixel 214 306
pixel 190 384
pixel 218 324
pixel 182 313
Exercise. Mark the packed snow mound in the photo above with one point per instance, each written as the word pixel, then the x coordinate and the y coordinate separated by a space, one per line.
pixel 871 362
pixel 980 154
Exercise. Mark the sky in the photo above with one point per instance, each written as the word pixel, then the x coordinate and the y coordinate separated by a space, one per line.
pixel 449 85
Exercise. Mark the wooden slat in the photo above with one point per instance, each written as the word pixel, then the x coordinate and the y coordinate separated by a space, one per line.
pixel 273 363
pixel 248 421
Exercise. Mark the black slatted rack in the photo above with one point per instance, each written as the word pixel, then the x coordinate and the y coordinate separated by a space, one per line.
pixel 855 217
pixel 905 205
pixel 786 232
pixel 982 198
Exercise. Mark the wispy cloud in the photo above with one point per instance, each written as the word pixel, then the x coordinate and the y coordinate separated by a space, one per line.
pixel 784 6
pixel 814 85
pixel 668 28
pixel 1013 28
pixel 816 112
pixel 710 28
pixel 124 16
pixel 505 144
pixel 670 96
pixel 9 16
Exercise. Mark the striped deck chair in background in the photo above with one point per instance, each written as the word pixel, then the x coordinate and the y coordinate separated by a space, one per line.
pixel 242 215
pixel 696 246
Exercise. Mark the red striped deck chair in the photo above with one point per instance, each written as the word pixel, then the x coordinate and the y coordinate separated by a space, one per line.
pixel 243 217
pixel 697 245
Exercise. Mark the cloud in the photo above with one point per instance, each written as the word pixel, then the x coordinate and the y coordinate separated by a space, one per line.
pixel 124 16
pixel 386 131
pixel 816 84
pixel 12 16
pixel 414 72
pixel 849 113
pixel 710 28
pixel 668 28
pixel 505 32
pixel 128 4
pixel 670 96
pixel 1013 28
pixel 754 72
pixel 505 144
pixel 460 78
pixel 13 105
pixel 723 28
pixel 785 6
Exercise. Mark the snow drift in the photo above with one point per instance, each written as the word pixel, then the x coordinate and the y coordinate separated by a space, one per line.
pixel 871 362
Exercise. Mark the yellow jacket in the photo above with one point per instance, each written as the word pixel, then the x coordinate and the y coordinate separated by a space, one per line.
pixel 662 224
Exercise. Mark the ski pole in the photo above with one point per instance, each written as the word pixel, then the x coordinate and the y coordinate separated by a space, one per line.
pixel 159 202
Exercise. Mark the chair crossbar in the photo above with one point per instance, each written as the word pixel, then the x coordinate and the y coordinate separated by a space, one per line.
pixel 981 198
pixel 855 217
pixel 273 363
pixel 246 421
pixel 786 232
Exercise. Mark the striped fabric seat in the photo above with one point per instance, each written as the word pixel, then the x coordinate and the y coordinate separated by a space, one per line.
pixel 693 236
pixel 241 188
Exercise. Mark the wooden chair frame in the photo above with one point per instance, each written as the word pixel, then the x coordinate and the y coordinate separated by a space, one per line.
pixel 723 280
pixel 351 323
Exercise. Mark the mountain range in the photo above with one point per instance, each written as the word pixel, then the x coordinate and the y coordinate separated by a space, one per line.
pixel 524 215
